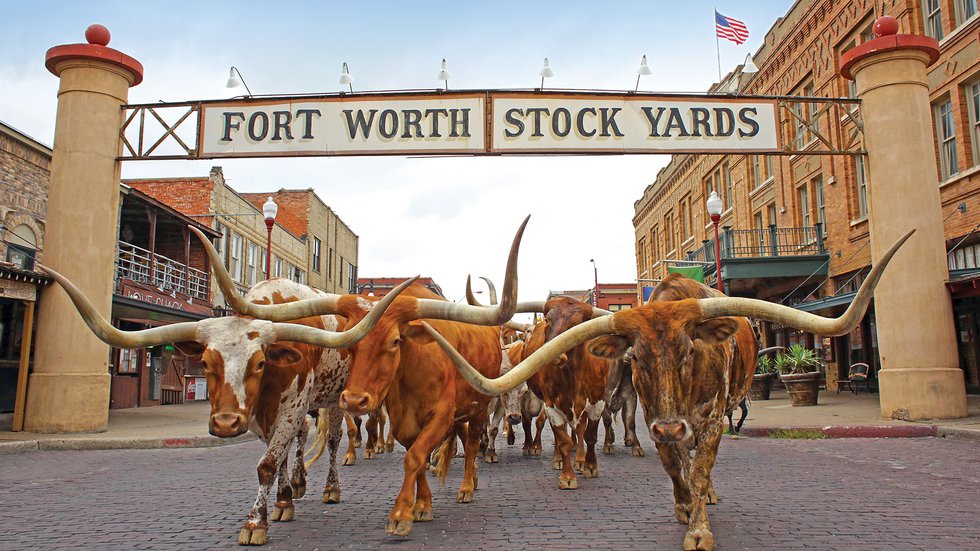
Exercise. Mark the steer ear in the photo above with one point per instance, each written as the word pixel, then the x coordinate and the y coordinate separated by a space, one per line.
pixel 715 330
pixel 413 330
pixel 279 354
pixel 609 347
pixel 192 349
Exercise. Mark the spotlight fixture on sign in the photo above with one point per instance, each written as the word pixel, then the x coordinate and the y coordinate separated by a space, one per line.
pixel 235 80
pixel 748 66
pixel 443 74
pixel 642 71
pixel 545 72
pixel 345 77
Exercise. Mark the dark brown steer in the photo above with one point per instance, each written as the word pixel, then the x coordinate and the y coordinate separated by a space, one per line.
pixel 684 351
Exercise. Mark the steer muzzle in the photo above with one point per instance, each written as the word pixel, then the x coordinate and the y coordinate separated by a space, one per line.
pixel 671 431
pixel 513 418
pixel 226 425
pixel 357 402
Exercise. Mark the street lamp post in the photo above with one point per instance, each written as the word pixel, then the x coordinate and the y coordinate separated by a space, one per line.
pixel 269 209
pixel 714 211
pixel 595 274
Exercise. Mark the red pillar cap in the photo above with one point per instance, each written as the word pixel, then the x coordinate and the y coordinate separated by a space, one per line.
pixel 96 49
pixel 888 39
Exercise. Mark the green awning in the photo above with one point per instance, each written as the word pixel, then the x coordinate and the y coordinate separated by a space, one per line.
pixel 694 272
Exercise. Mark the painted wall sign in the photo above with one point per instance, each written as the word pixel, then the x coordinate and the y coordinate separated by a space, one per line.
pixel 143 293
pixel 486 123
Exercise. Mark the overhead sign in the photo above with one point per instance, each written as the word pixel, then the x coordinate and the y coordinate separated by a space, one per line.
pixel 486 123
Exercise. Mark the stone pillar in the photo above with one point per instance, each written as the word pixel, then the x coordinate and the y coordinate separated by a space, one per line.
pixel 69 388
pixel 920 376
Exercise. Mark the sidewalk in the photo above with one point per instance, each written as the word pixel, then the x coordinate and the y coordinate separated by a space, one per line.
pixel 185 425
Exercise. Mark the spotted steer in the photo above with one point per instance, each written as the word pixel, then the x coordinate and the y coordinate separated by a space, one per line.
pixel 262 376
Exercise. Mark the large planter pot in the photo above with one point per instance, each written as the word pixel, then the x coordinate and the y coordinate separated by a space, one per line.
pixel 802 387
pixel 761 386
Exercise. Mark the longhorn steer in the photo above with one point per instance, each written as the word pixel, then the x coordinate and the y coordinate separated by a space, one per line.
pixel 262 376
pixel 504 408
pixel 684 375
pixel 621 398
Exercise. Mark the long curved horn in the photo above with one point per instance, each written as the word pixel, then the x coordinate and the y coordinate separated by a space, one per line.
pixel 524 370
pixel 829 327
pixel 339 339
pixel 176 332
pixel 275 312
pixel 492 290
pixel 770 350
pixel 519 327
pixel 495 315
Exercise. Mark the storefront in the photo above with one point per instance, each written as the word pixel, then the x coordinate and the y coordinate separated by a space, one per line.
pixel 18 295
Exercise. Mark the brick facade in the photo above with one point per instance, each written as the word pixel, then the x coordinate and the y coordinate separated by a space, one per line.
pixel 25 170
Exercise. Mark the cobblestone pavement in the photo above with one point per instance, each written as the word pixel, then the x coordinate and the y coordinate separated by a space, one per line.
pixel 776 494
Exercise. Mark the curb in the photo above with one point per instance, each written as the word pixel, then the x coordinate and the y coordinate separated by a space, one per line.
pixel 69 444
pixel 952 433
pixel 864 431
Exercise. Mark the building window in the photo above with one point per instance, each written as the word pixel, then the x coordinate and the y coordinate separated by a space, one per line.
pixel 340 272
pixel 861 181
pixel 329 264
pixel 316 255
pixel 964 258
pixel 805 113
pixel 965 9
pixel 973 100
pixel 770 172
pixel 235 261
pixel 252 263
pixel 934 18
pixel 618 307
pixel 668 234
pixel 221 243
pixel 803 206
pixel 756 162
pixel 760 227
pixel 946 134
pixel 654 247
pixel 729 194
pixel 277 267
pixel 818 199
pixel 351 277
pixel 641 257
pixel 21 257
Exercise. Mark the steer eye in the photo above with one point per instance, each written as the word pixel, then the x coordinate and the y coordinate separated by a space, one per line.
pixel 396 342
pixel 260 366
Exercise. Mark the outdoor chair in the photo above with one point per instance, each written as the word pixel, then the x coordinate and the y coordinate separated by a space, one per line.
pixel 856 374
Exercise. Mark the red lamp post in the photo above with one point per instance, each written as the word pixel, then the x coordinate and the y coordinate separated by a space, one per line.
pixel 714 211
pixel 595 274
pixel 269 209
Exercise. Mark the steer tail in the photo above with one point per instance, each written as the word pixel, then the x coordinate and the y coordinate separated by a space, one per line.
pixel 320 443
pixel 444 455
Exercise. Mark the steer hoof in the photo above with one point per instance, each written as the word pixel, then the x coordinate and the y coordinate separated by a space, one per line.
pixel 389 447
pixel 358 442
pixel 252 536
pixel 282 512
pixel 579 465
pixel 349 460
pixel 423 515
pixel 525 451
pixel 464 496
pixel 699 540
pixel 380 448
pixel 607 448
pixel 712 496
pixel 331 495
pixel 590 471
pixel 491 457
pixel 369 453
pixel 299 489
pixel 567 483
pixel 638 452
pixel 556 464
pixel 399 527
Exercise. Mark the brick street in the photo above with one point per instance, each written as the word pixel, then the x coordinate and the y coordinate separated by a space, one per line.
pixel 776 494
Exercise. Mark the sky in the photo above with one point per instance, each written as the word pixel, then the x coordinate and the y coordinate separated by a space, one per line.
pixel 439 217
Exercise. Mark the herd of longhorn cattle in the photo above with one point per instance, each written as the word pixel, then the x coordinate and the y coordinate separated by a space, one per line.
pixel 442 372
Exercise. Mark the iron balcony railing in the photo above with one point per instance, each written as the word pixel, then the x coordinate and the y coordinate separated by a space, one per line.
pixel 140 265
pixel 769 242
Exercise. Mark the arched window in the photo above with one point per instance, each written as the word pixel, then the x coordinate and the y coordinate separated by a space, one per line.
pixel 21 247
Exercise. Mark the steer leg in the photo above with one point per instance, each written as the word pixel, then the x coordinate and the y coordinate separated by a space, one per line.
pixel 610 435
pixel 471 445
pixel 578 442
pixel 539 426
pixel 350 457
pixel 675 460
pixel 283 510
pixel 528 439
pixel 256 525
pixel 371 428
pixel 298 477
pixel 402 514
pixel 699 536
pixel 496 416
pixel 591 467
pixel 384 416
pixel 563 448
pixel 629 424
pixel 331 492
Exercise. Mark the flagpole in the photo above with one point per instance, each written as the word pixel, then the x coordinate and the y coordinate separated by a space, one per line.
pixel 718 46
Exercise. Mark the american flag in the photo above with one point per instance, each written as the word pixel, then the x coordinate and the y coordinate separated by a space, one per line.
pixel 732 29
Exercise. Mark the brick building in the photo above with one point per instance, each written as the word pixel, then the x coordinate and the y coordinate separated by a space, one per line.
pixel 332 247
pixel 612 296
pixel 381 286
pixel 794 229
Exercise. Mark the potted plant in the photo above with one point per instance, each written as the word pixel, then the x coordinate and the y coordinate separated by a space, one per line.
pixel 798 371
pixel 765 372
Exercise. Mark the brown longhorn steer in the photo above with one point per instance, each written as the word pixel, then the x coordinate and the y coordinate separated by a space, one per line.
pixel 684 351
pixel 621 398
pixel 262 376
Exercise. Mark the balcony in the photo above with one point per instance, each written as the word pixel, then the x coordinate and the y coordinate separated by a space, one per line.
pixel 168 275
pixel 749 257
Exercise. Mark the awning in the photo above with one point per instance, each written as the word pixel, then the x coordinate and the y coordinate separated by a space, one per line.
pixel 146 321
pixel 694 272
pixel 826 302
